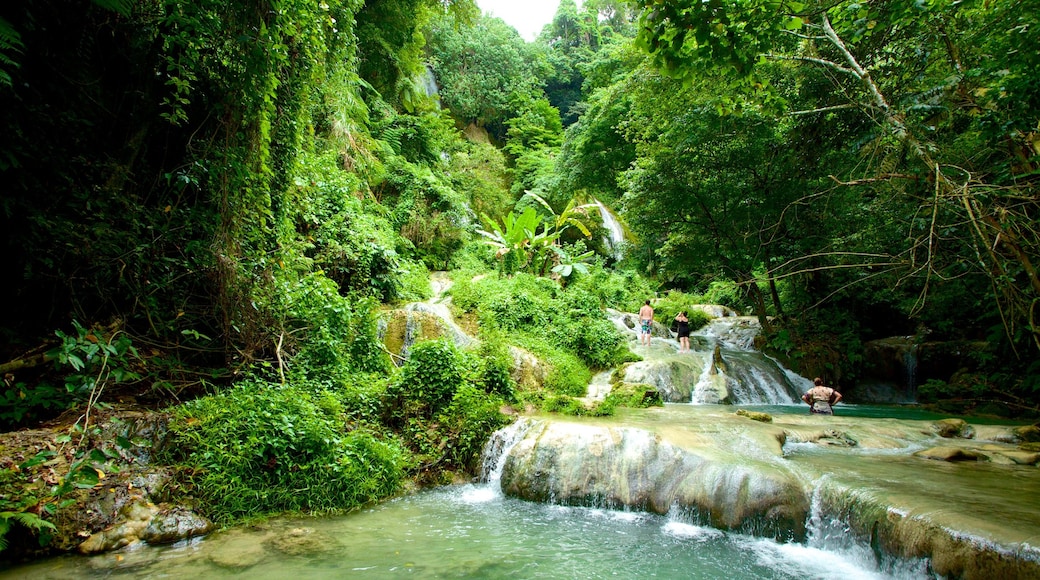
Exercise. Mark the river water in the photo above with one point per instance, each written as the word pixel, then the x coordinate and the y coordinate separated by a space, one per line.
pixel 472 531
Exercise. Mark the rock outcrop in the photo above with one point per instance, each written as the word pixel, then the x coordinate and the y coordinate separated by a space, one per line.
pixel 629 468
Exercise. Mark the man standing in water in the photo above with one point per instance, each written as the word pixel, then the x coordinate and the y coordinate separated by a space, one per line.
pixel 820 398
pixel 646 323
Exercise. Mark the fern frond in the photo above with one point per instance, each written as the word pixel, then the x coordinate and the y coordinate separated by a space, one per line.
pixel 10 42
pixel 121 6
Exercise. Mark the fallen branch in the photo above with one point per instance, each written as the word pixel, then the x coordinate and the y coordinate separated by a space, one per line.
pixel 26 362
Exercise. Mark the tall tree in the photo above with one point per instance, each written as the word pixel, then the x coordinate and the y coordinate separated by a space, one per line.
pixel 942 85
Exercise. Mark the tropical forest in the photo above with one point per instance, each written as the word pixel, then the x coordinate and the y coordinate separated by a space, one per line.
pixel 374 288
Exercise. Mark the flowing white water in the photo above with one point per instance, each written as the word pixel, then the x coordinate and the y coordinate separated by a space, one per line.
pixel 745 375
pixel 615 233
pixel 429 84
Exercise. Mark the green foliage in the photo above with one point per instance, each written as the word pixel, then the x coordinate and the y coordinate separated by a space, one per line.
pixel 618 289
pixel 262 448
pixel 485 70
pixel 469 421
pixel 330 335
pixel 427 211
pixel 89 359
pixel 443 405
pixel 523 246
pixel 496 364
pixel 28 520
pixel 478 171
pixel 675 301
pixel 635 396
pixel 10 42
pixel 434 371
pixel 566 327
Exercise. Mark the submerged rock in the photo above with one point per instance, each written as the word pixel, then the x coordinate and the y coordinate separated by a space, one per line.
pixel 756 416
pixel 303 542
pixel 951 454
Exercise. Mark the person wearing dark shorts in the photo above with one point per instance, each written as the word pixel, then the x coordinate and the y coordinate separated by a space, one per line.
pixel 646 323
pixel 683 330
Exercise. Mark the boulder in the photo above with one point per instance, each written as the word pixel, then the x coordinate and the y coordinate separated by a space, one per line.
pixel 1027 433
pixel 529 372
pixel 629 468
pixel 134 519
pixel 173 524
pixel 949 428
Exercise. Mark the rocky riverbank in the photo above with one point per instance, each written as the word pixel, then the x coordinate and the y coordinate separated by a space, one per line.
pixel 94 478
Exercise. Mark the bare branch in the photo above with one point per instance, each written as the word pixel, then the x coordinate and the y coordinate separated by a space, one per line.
pixel 880 178
pixel 819 61
pixel 825 109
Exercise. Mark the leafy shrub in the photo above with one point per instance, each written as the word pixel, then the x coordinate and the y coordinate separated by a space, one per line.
pixel 568 375
pixel 331 336
pixel 260 448
pixel 621 290
pixel 675 302
pixel 347 237
pixel 724 292
pixel 89 359
pixel 496 364
pixel 469 421
pixel 434 371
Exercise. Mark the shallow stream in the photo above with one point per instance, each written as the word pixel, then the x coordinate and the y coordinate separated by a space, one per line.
pixel 472 531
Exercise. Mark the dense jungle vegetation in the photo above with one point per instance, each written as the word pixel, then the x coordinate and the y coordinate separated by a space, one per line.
pixel 208 206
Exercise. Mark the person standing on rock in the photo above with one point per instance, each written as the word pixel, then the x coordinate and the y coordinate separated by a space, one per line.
pixel 646 323
pixel 683 331
pixel 821 399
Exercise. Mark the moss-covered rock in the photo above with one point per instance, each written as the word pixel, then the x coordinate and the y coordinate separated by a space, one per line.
pixel 756 415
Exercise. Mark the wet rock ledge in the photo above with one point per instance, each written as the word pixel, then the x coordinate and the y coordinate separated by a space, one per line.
pixel 125 506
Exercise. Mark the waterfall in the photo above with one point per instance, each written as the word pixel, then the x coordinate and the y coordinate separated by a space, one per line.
pixel 600 385
pixel 496 450
pixel 429 85
pixel 833 536
pixel 747 375
pixel 740 375
pixel 441 311
pixel 615 233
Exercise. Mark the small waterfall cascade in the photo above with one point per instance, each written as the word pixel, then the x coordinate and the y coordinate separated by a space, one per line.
pixel 418 320
pixel 496 450
pixel 831 537
pixel 749 376
pixel 441 311
pixel 723 367
pixel 599 387
pixel 615 233
pixel 428 81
